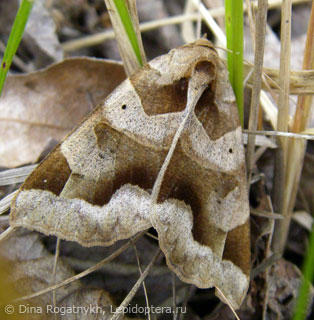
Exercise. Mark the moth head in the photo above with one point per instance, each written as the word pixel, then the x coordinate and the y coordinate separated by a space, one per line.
pixel 205 67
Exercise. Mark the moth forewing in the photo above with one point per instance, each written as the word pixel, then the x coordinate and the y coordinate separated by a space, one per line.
pixel 106 180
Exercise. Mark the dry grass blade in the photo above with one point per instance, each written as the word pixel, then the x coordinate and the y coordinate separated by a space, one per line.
pixel 144 286
pixel 4 220
pixel 120 313
pixel 251 19
pixel 13 176
pixel 265 214
pixel 174 297
pixel 187 294
pixel 296 148
pixel 95 39
pixel 98 38
pixel 86 272
pixel 301 81
pixel 5 234
pixel 131 61
pixel 284 71
pixel 211 23
pixel 228 303
pixel 269 84
pixel 261 139
pixel 282 121
pixel 267 263
pixel 304 219
pixel 309 131
pixel 55 263
pixel 6 202
pixel 257 82
pixel 187 29
pixel 148 234
pixel 17 61
pixel 269 108
pixel 268 254
pixel 281 134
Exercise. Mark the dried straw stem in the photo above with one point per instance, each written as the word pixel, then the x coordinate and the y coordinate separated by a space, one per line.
pixel 296 147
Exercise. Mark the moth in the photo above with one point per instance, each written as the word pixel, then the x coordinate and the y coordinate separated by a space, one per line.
pixel 163 150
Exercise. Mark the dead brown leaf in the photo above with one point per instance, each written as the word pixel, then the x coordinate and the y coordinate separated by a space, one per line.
pixel 39 107
pixel 24 274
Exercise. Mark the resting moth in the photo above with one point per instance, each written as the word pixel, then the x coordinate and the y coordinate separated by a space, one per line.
pixel 163 150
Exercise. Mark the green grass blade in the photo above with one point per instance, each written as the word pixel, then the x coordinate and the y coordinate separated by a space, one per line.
pixel 14 38
pixel 234 33
pixel 308 273
pixel 128 26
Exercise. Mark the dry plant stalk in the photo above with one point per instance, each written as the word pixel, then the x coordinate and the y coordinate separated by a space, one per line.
pixel 187 28
pixel 257 81
pixel 301 81
pixel 211 23
pixel 282 122
pixel 296 147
